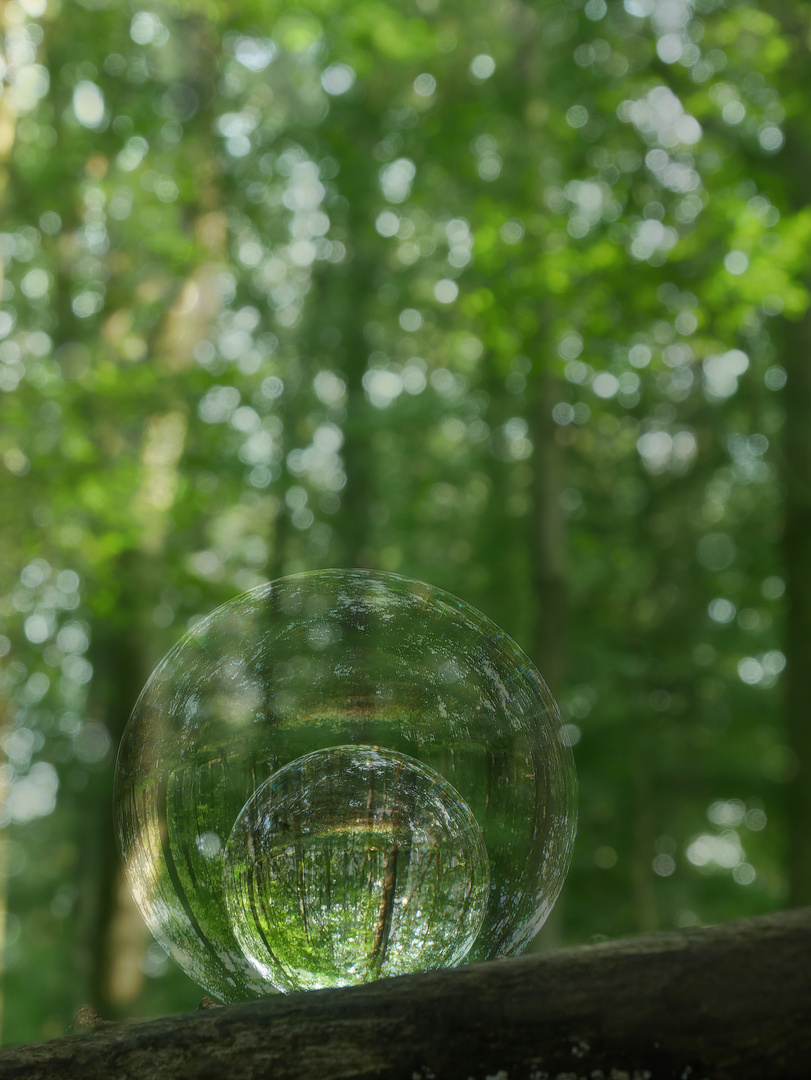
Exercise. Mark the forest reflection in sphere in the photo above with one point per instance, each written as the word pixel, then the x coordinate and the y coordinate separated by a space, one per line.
pixel 340 776
pixel 352 861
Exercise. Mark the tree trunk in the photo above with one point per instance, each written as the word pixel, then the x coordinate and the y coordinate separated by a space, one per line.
pixel 549 611
pixel 548 541
pixel 5 786
pixel 725 1002
pixel 344 299
pixel 796 481
pixel 796 548
pixel 112 935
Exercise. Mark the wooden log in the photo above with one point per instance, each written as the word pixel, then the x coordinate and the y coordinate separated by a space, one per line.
pixel 724 1002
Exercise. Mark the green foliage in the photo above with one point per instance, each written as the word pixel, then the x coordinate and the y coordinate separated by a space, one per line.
pixel 284 287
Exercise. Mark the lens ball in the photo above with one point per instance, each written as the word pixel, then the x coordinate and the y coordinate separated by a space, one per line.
pixel 341 776
pixel 352 861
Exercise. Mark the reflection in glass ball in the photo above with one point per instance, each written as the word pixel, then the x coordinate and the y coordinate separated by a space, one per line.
pixel 354 862
pixel 340 776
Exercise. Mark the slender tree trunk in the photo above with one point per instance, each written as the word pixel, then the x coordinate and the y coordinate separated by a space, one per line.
pixel 355 517
pixel 796 481
pixel 5 785
pixel 8 130
pixel 644 894
pixel 113 934
pixel 549 613
pixel 797 555
pixel 122 660
pixel 348 306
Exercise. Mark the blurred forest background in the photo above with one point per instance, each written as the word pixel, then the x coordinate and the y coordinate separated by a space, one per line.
pixel 507 296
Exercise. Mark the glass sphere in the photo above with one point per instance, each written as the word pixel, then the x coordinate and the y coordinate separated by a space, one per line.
pixel 351 860
pixel 340 776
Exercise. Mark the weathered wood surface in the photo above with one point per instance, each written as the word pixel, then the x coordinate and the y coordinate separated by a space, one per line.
pixel 725 1002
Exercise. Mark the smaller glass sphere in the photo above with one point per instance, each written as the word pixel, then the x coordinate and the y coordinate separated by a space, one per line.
pixel 352 863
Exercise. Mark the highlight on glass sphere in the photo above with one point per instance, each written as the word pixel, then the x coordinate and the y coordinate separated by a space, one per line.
pixel 341 776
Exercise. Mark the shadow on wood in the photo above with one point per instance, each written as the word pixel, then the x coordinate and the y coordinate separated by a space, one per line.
pixel 725 1002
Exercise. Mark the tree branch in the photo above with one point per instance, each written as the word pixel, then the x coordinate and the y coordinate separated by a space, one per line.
pixel 725 1002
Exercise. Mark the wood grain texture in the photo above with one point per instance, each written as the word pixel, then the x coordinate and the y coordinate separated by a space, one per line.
pixel 724 1002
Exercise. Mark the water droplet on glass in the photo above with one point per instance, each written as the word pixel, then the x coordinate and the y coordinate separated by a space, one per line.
pixel 341 776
